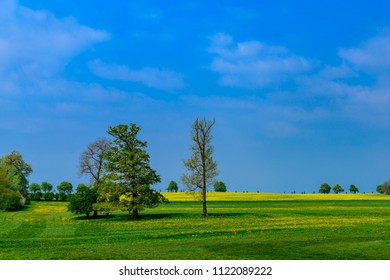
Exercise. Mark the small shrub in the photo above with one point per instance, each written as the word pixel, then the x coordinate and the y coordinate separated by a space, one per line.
pixel 10 200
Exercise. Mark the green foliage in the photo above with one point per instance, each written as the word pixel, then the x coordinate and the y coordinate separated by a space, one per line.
pixel 379 188
pixel 82 200
pixel 338 189
pixel 325 188
pixel 10 200
pixel 172 187
pixel 65 187
pixel 17 171
pixel 353 189
pixel 48 196
pixel 46 187
pixel 127 172
pixel 220 186
pixel 34 187
pixel 36 196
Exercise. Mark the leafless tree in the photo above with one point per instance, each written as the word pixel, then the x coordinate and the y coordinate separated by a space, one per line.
pixel 91 160
pixel 201 165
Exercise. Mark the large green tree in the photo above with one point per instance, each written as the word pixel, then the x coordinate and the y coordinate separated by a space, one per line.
pixel 16 171
pixel 9 199
pixel 128 176
pixel 202 168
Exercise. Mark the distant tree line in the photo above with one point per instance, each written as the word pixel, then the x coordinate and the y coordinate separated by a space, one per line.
pixel 44 191
pixel 326 188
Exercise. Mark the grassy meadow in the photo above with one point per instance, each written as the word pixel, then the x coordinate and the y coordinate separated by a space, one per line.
pixel 239 226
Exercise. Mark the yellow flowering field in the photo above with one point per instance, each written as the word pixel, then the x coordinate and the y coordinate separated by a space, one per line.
pixel 244 196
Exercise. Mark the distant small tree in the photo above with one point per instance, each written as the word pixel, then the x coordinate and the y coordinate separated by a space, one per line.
pixel 338 189
pixel 219 186
pixel 34 188
pixel 353 189
pixel 46 187
pixel 48 196
pixel 324 188
pixel 172 187
pixel 64 189
pixel 379 188
pixel 81 202
pixel 386 187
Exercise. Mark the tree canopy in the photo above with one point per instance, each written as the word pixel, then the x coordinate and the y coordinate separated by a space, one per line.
pixel 81 202
pixel 16 170
pixel 353 189
pixel 325 188
pixel 172 187
pixel 219 186
pixel 338 189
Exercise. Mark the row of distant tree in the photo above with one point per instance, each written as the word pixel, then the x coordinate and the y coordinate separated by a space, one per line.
pixel 326 188
pixel 44 191
pixel 219 186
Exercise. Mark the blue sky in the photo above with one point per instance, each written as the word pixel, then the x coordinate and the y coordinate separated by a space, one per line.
pixel 300 90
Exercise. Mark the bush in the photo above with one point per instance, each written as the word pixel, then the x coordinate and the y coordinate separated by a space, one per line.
pixel 81 202
pixel 10 200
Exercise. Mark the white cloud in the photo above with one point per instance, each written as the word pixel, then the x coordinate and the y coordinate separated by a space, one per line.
pixel 373 56
pixel 253 64
pixel 152 77
pixel 38 44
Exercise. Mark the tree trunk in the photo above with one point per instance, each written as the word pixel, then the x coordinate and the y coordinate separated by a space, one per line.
pixel 95 213
pixel 135 214
pixel 204 203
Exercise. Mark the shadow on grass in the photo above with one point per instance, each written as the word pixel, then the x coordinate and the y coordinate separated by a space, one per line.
pixel 121 217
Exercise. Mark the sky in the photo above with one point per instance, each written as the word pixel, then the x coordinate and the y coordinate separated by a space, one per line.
pixel 300 90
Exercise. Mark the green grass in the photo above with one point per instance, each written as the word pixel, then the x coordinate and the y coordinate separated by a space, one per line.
pixel 240 226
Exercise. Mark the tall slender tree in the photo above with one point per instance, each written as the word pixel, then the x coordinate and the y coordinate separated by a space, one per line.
pixel 202 168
